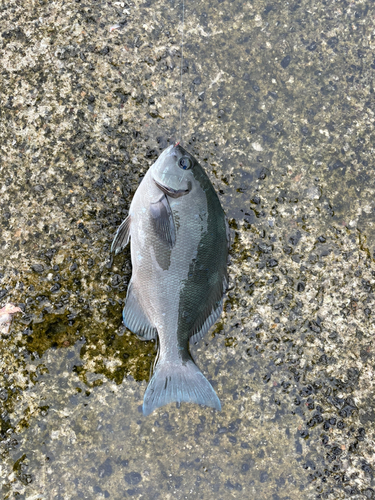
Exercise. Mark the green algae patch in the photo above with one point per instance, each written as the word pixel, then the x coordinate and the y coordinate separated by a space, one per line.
pixel 55 330
pixel 104 350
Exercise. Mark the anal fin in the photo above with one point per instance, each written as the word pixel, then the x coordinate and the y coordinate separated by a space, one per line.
pixel 135 318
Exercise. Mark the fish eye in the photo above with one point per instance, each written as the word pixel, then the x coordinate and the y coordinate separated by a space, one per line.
pixel 184 163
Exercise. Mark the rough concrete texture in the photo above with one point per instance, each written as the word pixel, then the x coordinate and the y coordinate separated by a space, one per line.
pixel 278 106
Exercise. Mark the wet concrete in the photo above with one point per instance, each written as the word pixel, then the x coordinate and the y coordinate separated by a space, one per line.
pixel 278 107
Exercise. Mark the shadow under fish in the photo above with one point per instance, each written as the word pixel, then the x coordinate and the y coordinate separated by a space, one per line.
pixel 179 248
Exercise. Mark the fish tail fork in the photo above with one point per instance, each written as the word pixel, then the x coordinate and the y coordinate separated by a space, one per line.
pixel 178 383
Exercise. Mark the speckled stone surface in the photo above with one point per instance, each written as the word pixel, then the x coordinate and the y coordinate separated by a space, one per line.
pixel 278 106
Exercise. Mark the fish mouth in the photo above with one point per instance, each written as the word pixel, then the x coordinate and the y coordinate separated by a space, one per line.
pixel 173 193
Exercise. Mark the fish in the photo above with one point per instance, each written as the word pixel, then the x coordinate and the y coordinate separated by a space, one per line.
pixel 179 243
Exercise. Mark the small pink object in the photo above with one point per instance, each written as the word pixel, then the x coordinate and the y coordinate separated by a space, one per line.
pixel 115 27
pixel 6 316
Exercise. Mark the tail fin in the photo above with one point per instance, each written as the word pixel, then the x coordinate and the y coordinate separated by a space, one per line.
pixel 178 383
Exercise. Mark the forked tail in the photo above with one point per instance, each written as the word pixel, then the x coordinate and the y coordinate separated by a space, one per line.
pixel 183 382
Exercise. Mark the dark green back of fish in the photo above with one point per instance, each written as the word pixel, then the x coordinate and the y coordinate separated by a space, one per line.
pixel 202 292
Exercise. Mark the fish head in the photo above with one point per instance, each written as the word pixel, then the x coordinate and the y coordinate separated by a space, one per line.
pixel 173 171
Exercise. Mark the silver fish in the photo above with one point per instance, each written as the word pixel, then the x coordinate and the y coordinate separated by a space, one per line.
pixel 179 248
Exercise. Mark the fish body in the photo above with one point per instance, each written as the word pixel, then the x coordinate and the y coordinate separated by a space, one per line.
pixel 179 247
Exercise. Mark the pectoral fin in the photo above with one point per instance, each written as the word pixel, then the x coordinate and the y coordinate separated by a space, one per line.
pixel 122 235
pixel 162 217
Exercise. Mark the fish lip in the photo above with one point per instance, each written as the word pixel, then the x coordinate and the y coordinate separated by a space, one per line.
pixel 173 193
pixel 177 149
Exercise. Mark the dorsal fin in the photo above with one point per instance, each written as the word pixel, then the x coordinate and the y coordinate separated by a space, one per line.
pixel 201 330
